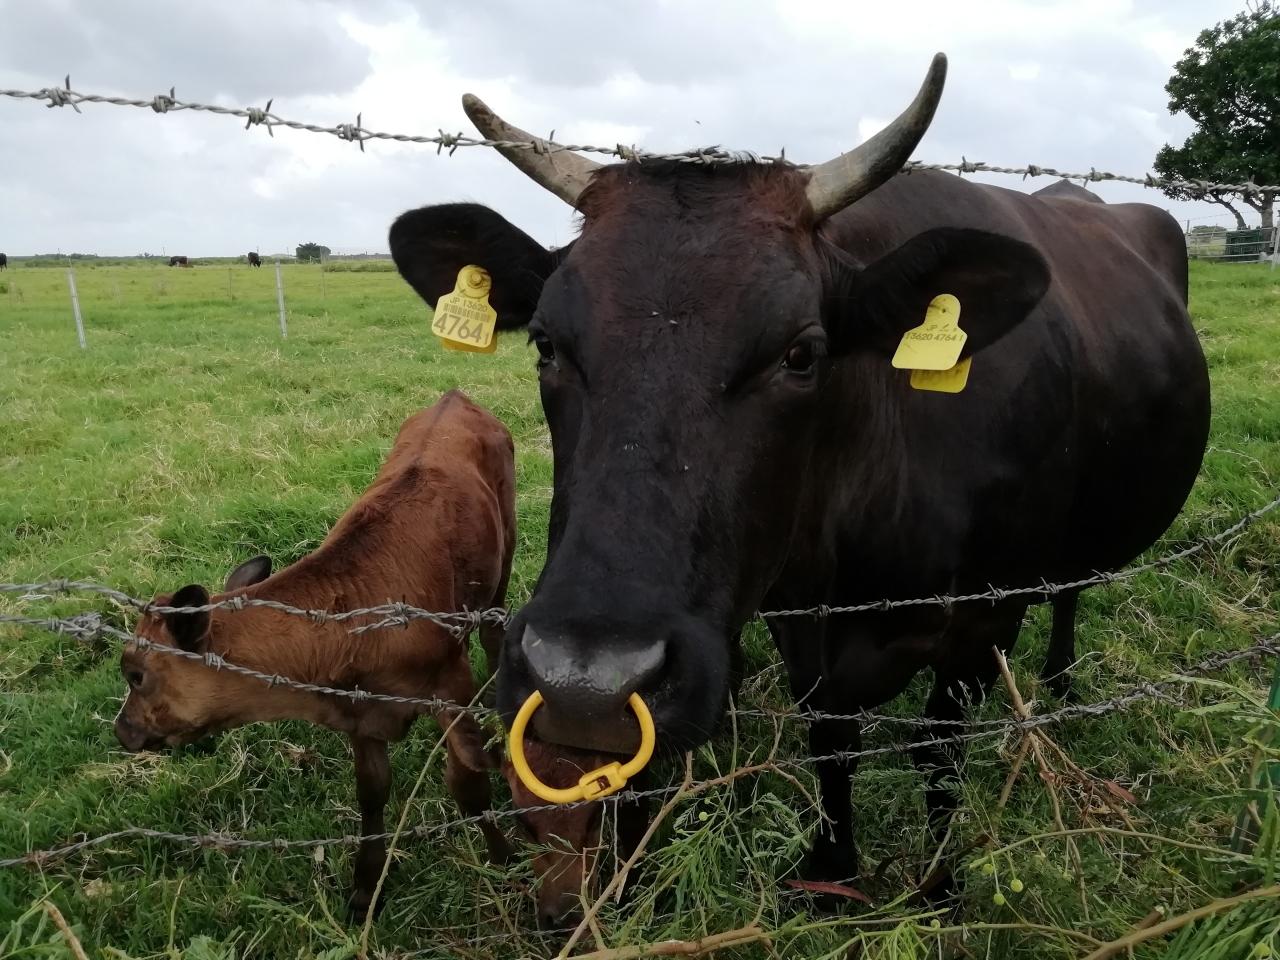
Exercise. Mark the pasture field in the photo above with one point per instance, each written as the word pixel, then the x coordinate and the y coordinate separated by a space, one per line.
pixel 189 436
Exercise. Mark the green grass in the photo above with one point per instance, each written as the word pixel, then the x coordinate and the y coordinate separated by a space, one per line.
pixel 189 436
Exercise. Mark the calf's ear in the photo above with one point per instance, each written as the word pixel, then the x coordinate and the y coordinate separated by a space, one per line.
pixel 189 630
pixel 248 573
pixel 998 281
pixel 430 245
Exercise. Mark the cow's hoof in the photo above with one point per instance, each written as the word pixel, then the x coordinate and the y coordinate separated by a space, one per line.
pixel 828 863
pixel 358 906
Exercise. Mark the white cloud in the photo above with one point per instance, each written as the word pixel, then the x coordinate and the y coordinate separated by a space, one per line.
pixel 1074 84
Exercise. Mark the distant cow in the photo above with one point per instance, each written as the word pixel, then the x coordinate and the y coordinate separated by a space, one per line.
pixel 178 262
pixel 436 529
pixel 254 259
pixel 4 262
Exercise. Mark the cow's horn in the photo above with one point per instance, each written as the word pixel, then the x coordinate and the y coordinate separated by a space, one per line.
pixel 563 173
pixel 837 183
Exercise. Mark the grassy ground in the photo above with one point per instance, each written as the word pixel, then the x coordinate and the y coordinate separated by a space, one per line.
pixel 190 436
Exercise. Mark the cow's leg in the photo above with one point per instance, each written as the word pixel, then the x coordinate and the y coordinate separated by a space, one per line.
pixel 373 788
pixel 1062 645
pixel 833 856
pixel 964 675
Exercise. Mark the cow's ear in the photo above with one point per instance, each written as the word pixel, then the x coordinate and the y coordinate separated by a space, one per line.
pixel 998 281
pixel 248 573
pixel 430 245
pixel 189 630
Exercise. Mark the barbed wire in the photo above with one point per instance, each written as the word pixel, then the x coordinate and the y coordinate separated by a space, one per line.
pixel 400 614
pixel 1044 589
pixel 89 627
pixel 1159 691
pixel 357 133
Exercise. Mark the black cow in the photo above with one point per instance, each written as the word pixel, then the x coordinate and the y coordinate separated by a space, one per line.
pixel 178 261
pixel 4 262
pixel 728 433
pixel 254 259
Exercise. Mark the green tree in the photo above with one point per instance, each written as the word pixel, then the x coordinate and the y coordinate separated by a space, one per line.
pixel 1229 84
pixel 312 251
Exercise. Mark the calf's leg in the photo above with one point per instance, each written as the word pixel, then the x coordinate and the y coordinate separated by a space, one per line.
pixel 373 788
pixel 466 776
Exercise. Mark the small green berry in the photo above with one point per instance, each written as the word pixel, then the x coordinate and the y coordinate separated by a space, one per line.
pixel 935 924
pixel 1016 885
pixel 988 868
pixel 702 816
pixel 1261 950
pixel 999 900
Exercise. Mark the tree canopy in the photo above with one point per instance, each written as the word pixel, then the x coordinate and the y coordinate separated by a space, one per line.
pixel 312 251
pixel 1229 84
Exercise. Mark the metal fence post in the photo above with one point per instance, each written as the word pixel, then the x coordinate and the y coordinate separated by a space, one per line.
pixel 75 307
pixel 284 328
pixel 1275 246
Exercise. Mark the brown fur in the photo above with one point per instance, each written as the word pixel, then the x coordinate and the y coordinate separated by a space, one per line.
pixel 568 837
pixel 435 529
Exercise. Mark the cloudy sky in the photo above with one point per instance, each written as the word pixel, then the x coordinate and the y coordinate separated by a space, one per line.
pixel 1069 84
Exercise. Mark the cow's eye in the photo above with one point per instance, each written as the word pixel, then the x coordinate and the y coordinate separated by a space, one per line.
pixel 800 357
pixel 546 350
pixel 133 678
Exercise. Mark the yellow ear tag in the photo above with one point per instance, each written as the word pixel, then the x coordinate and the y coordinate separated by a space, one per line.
pixel 936 343
pixel 942 381
pixel 464 320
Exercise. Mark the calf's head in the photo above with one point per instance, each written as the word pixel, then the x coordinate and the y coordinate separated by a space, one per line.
pixel 567 838
pixel 171 701
pixel 687 345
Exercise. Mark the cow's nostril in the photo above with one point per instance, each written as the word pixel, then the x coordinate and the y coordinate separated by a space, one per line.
pixel 592 680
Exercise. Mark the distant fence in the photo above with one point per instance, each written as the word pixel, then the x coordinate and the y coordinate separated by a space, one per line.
pixel 1250 245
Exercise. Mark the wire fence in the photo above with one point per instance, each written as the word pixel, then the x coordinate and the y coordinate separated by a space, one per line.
pixel 1158 691
pixel 1250 245
pixel 163 103
pixel 91 627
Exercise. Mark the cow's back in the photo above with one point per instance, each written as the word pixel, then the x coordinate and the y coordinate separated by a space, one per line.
pixel 1079 433
pixel 434 529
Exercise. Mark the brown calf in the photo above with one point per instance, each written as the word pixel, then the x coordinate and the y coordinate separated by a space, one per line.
pixel 567 837
pixel 436 529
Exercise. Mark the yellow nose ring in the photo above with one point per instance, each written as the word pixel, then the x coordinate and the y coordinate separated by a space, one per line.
pixel 599 783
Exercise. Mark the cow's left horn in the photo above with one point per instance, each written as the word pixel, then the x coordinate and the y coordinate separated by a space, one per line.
pixel 837 183
pixel 563 173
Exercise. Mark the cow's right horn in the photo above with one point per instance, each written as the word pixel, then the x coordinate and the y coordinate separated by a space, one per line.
pixel 837 183
pixel 564 173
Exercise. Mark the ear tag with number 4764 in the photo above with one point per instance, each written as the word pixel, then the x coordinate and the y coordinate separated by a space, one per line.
pixel 463 319
pixel 931 350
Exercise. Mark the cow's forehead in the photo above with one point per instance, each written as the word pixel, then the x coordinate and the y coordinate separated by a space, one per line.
pixel 692 192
